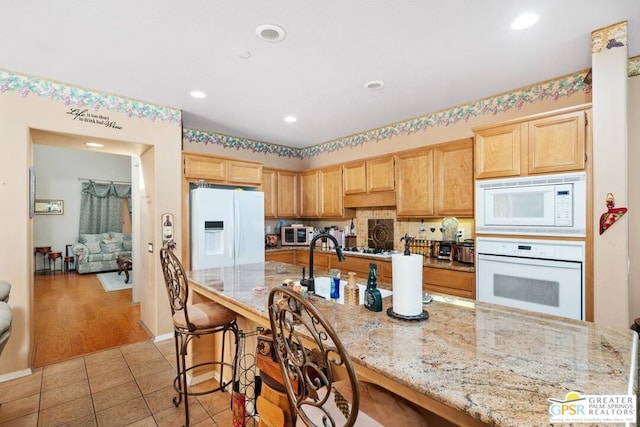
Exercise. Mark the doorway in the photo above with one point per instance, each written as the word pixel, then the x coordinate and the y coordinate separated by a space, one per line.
pixel 93 319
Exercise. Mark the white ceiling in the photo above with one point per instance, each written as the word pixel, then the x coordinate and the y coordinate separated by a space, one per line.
pixel 430 54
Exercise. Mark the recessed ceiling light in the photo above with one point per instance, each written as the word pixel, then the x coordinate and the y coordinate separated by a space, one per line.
pixel 290 119
pixel 374 84
pixel 525 20
pixel 93 144
pixel 198 94
pixel 270 33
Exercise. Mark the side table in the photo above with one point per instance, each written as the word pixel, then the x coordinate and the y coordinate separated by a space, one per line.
pixel 124 264
pixel 44 251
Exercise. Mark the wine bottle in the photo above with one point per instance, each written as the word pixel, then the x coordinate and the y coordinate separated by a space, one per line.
pixel 167 229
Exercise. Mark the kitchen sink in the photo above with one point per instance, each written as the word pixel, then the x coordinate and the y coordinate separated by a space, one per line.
pixel 323 289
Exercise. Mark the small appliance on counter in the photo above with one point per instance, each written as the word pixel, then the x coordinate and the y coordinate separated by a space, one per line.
pixel 445 250
pixel 465 251
pixel 295 235
pixel 271 241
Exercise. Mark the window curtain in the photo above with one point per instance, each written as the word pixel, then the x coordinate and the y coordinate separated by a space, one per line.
pixel 101 206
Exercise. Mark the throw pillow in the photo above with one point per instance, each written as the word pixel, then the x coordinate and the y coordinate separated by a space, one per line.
pixel 94 247
pixel 111 247
pixel 86 238
pixel 116 236
pixel 127 245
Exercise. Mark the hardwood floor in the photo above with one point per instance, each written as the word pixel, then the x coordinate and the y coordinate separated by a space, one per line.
pixel 75 316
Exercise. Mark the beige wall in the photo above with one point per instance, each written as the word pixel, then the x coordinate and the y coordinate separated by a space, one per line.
pixel 19 114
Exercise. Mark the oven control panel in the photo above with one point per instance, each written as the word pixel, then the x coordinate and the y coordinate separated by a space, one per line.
pixel 539 249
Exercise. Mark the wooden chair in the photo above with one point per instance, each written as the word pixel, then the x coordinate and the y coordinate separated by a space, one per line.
pixel 193 321
pixel 312 375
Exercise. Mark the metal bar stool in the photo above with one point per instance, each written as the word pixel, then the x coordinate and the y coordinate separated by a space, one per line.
pixel 193 321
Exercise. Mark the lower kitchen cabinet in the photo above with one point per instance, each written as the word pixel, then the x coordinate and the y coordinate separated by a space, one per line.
pixel 321 260
pixel 451 282
pixel 288 257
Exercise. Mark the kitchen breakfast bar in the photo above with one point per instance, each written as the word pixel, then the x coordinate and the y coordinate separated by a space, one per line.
pixel 471 363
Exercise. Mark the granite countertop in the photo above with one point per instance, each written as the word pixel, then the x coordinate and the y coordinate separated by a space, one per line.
pixel 428 262
pixel 495 364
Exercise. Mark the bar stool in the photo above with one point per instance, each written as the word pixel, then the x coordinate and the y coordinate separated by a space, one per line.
pixel 44 251
pixel 53 256
pixel 193 321
pixel 317 395
pixel 69 258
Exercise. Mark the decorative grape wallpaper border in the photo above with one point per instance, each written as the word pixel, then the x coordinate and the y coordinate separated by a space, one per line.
pixel 85 98
pixel 79 97
pixel 554 90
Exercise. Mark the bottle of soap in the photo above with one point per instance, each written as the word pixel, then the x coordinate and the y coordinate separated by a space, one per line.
pixel 372 297
pixel 351 290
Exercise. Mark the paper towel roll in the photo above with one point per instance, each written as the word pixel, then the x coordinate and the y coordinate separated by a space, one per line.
pixel 407 284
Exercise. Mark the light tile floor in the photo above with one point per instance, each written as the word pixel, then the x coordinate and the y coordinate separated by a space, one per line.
pixel 126 386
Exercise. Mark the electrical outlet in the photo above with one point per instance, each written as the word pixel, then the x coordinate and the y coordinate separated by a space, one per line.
pixel 460 234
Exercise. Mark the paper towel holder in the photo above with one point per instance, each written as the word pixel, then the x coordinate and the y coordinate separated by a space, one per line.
pixel 422 316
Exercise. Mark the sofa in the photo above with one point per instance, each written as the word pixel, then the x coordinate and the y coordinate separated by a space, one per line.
pixel 99 252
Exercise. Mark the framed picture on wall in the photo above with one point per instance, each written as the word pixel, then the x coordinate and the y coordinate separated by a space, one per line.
pixel 49 207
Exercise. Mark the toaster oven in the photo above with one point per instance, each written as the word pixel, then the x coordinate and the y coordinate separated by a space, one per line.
pixel 296 236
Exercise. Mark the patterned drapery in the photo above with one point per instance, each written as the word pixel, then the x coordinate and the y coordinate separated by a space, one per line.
pixel 101 206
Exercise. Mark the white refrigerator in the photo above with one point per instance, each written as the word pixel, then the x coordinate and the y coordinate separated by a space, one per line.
pixel 227 227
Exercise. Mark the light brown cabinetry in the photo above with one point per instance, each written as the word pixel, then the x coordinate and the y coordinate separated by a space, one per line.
pixel 454 178
pixel 221 170
pixel 369 182
pixel 280 193
pixel 414 183
pixel 288 257
pixel 321 261
pixel 451 282
pixel 549 143
pixel 270 190
pixel 321 193
pixel 288 204
pixel 369 176
pixel 330 185
pixel 309 190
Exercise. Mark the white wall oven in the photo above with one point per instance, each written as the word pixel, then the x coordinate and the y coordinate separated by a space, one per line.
pixel 545 205
pixel 545 276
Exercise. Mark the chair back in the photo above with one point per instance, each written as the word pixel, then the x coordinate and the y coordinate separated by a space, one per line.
pixel 176 283
pixel 310 371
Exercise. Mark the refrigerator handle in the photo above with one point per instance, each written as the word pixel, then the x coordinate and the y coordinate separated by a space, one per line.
pixel 236 229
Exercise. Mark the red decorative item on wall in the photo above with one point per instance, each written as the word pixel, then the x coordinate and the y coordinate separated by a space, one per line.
pixel 612 215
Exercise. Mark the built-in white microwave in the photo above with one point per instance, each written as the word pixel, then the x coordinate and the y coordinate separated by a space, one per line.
pixel 545 205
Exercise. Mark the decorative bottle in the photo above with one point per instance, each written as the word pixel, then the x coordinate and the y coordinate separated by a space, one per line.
pixel 352 231
pixel 372 297
pixel 351 290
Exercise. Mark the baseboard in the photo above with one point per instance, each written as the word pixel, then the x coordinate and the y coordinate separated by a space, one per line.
pixel 163 337
pixel 14 375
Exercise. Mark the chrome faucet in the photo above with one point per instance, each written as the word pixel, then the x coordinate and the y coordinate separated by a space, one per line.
pixel 310 281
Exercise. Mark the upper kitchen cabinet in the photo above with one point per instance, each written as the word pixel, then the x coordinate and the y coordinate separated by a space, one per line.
pixel 280 189
pixel 321 193
pixel 330 180
pixel 454 178
pixel 414 183
pixel 270 190
pixel 557 143
pixel 546 143
pixel 369 183
pixel 498 151
pixel 288 202
pixel 309 192
pixel 221 170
